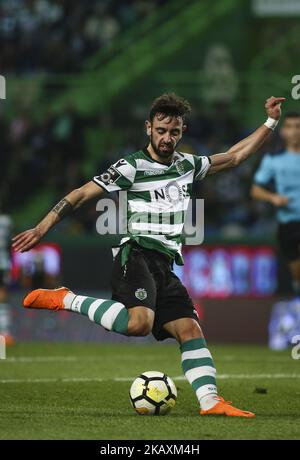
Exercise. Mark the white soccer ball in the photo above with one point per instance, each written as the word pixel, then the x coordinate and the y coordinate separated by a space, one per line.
pixel 153 393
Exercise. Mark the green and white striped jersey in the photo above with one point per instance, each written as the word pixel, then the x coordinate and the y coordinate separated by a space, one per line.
pixel 157 197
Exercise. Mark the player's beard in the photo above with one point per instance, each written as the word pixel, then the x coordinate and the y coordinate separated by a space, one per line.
pixel 163 153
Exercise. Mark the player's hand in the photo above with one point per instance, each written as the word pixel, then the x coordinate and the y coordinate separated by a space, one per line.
pixel 273 107
pixel 26 240
pixel 280 201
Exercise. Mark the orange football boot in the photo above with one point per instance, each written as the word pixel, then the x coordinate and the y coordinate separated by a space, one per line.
pixel 51 299
pixel 9 339
pixel 225 408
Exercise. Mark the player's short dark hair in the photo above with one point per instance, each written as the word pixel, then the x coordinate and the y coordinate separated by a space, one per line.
pixel 291 114
pixel 170 105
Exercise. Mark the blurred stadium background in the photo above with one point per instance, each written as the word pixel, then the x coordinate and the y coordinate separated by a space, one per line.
pixel 79 80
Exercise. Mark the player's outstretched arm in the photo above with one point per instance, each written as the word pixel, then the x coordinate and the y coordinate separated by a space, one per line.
pixel 26 240
pixel 246 147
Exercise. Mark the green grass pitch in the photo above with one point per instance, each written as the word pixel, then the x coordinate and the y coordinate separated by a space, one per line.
pixel 80 391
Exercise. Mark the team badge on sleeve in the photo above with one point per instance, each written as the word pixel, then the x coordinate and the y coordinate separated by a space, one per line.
pixel 119 176
pixel 121 162
pixel 110 176
pixel 141 294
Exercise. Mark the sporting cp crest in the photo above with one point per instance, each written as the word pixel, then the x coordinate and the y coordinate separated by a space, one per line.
pixel 179 167
pixel 141 294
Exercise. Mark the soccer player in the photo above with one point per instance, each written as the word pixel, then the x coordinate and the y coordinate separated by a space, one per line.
pixel 146 294
pixel 282 171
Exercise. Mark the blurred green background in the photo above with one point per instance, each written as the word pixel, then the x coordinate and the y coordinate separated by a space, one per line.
pixel 80 77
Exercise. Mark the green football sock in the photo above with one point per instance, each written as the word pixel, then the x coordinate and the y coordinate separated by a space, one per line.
pixel 110 314
pixel 199 369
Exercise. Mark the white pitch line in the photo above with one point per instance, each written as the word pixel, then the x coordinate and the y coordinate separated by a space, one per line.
pixel 40 359
pixel 47 359
pixel 129 379
pixel 250 376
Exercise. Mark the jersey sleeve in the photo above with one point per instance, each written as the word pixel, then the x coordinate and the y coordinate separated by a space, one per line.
pixel 202 165
pixel 119 176
pixel 265 172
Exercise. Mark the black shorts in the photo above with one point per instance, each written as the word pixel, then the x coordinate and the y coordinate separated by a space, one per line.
pixel 147 280
pixel 289 240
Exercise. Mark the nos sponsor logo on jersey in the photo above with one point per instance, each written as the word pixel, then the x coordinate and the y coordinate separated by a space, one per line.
pixel 172 192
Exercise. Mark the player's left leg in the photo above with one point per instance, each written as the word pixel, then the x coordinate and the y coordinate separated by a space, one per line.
pixel 199 368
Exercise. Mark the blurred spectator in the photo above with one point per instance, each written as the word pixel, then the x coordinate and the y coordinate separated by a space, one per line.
pixel 54 35
pixel 39 267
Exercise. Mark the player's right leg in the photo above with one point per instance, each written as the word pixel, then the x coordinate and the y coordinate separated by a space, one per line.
pixel 112 315
pixel 198 365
